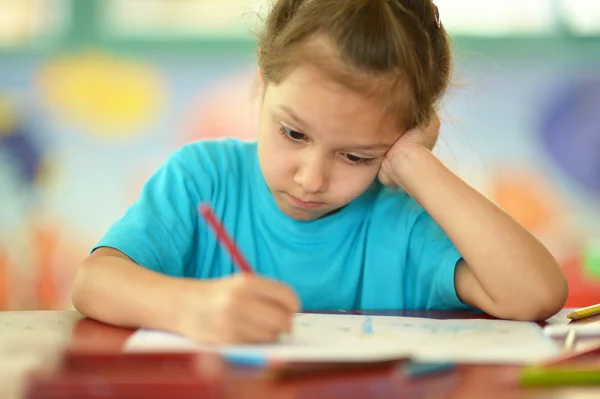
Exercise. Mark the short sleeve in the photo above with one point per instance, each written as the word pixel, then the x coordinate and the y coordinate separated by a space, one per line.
pixel 433 259
pixel 158 231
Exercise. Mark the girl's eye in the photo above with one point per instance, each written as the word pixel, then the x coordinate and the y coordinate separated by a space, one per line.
pixel 292 134
pixel 360 161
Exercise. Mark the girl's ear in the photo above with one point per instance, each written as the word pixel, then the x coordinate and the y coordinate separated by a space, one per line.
pixel 432 132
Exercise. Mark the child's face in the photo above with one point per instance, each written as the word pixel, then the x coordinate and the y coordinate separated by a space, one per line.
pixel 320 144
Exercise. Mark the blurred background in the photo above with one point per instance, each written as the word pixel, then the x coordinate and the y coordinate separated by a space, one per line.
pixel 94 94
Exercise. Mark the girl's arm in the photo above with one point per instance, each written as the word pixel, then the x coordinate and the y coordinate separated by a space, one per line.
pixel 112 288
pixel 506 271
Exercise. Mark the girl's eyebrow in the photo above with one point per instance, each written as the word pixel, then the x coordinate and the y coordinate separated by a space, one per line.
pixel 302 124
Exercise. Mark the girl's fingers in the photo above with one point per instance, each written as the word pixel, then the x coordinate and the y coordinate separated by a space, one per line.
pixel 268 315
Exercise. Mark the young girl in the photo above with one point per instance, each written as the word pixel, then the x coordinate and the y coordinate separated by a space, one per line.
pixel 338 205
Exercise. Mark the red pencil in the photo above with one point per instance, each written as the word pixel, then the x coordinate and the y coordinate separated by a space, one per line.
pixel 238 259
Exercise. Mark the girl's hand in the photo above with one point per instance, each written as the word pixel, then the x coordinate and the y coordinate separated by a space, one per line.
pixel 242 308
pixel 414 139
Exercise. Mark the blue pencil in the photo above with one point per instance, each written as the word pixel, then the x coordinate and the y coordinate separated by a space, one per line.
pixel 426 369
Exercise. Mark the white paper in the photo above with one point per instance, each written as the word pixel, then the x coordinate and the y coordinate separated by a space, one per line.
pixel 560 318
pixel 318 337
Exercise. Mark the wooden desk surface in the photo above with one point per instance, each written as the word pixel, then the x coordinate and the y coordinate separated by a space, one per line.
pixel 28 339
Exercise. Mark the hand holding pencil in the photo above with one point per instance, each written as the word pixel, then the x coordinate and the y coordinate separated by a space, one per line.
pixel 242 308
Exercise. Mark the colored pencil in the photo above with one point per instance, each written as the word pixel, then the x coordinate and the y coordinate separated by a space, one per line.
pixel 224 239
pixel 559 376
pixel 584 312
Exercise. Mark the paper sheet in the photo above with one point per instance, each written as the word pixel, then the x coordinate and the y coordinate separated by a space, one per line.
pixel 318 337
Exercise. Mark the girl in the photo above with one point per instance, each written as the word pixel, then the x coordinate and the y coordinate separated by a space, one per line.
pixel 338 205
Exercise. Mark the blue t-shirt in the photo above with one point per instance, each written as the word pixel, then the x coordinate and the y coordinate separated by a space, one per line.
pixel 381 251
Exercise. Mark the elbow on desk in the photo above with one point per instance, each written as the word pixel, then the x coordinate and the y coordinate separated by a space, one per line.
pixel 79 292
pixel 552 298
pixel 540 304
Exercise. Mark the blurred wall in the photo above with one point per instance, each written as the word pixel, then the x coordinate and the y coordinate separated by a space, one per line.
pixel 83 125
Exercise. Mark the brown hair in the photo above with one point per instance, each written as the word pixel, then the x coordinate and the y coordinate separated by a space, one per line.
pixel 388 48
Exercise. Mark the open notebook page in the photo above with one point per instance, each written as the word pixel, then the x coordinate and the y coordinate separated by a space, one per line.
pixel 320 337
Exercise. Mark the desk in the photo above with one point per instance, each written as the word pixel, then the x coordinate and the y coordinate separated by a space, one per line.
pixel 28 339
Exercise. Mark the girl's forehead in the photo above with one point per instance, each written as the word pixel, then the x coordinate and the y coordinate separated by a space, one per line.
pixel 324 103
